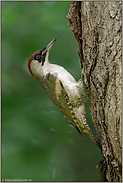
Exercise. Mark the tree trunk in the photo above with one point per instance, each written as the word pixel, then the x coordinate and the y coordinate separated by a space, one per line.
pixel 97 28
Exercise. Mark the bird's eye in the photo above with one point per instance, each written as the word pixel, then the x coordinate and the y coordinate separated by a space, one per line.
pixel 40 58
pixel 37 57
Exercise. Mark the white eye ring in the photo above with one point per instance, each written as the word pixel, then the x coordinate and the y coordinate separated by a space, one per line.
pixel 38 57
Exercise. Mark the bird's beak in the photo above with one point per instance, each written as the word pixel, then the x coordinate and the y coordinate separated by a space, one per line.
pixel 48 47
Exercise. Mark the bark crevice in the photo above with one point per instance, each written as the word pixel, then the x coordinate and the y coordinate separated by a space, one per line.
pixel 98 30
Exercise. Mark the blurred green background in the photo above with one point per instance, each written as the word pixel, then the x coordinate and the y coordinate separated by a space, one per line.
pixel 38 143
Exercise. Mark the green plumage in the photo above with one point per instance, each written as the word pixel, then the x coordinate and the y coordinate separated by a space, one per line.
pixel 71 106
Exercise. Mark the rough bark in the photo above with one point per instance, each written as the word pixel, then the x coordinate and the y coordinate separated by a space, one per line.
pixel 97 28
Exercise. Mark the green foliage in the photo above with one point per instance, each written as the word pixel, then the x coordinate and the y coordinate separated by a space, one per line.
pixel 37 141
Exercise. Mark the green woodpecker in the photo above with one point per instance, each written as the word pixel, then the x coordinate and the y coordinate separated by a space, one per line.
pixel 61 88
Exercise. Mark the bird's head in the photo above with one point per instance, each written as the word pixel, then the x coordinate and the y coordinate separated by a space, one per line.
pixel 39 59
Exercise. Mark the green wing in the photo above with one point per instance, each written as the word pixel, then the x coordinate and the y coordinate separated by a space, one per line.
pixel 56 92
pixel 72 109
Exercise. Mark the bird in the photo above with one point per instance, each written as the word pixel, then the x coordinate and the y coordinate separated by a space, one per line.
pixel 62 89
